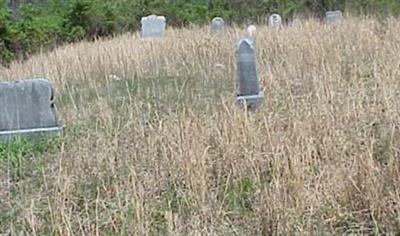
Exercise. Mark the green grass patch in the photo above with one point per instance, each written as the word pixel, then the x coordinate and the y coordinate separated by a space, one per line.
pixel 237 195
pixel 21 155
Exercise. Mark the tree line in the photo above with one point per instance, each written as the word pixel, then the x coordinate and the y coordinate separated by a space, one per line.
pixel 27 26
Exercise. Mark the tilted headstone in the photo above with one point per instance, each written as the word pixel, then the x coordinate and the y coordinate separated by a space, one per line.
pixel 27 109
pixel 153 26
pixel 333 16
pixel 275 21
pixel 249 94
pixel 217 25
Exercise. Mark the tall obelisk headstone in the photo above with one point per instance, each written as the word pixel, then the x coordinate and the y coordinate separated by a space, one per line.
pixel 249 95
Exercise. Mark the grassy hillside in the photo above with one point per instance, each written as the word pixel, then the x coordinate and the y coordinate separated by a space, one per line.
pixel 154 145
pixel 30 26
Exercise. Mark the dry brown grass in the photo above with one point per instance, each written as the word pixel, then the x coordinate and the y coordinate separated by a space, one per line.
pixel 163 150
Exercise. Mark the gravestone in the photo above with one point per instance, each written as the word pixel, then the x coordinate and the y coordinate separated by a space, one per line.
pixel 251 31
pixel 217 25
pixel 333 17
pixel 249 95
pixel 296 22
pixel 153 26
pixel 27 109
pixel 275 21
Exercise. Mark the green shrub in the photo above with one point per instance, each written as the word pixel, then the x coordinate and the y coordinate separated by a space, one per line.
pixel 6 54
pixel 90 19
pixel 36 29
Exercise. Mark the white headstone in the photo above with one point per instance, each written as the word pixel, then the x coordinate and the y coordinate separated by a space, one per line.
pixel 275 21
pixel 217 25
pixel 153 26
pixel 251 31
pixel 333 17
pixel 249 95
pixel 27 109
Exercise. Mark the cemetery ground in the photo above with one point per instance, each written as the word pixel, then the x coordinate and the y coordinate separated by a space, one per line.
pixel 153 143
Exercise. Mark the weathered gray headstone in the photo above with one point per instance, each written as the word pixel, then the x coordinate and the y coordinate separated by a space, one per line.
pixel 217 25
pixel 249 94
pixel 296 22
pixel 153 26
pixel 27 109
pixel 333 17
pixel 275 21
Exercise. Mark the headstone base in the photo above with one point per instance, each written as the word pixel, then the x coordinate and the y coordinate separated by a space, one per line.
pixel 250 102
pixel 9 135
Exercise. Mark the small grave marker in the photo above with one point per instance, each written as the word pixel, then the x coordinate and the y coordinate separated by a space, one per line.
pixel 296 22
pixel 217 25
pixel 27 109
pixel 275 21
pixel 153 26
pixel 249 94
pixel 333 17
pixel 251 31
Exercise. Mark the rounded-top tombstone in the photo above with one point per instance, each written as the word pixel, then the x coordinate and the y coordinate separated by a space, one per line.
pixel 153 26
pixel 217 25
pixel 251 31
pixel 275 21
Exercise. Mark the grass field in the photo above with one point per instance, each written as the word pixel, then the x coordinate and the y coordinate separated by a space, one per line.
pixel 154 145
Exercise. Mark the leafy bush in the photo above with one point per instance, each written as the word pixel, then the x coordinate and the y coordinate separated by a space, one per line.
pixel 90 19
pixel 6 54
pixel 36 29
